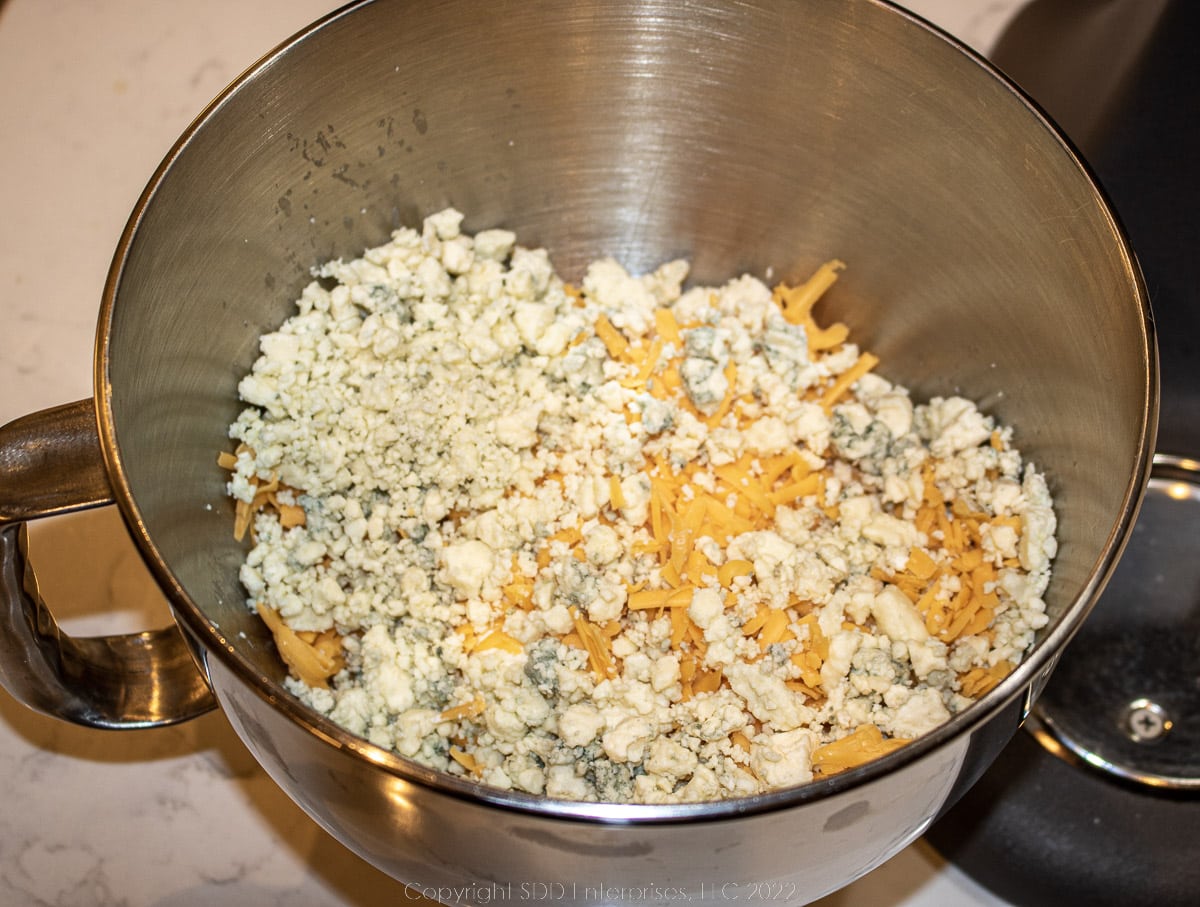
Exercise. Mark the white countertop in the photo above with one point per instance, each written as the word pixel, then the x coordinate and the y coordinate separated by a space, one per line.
pixel 92 94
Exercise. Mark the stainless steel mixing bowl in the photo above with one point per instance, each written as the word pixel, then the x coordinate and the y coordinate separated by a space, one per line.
pixel 752 136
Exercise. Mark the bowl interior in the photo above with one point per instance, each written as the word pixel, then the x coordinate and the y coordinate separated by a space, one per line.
pixel 759 137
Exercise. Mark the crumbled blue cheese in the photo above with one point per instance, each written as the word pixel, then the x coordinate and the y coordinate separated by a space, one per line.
pixel 454 427
pixel 784 759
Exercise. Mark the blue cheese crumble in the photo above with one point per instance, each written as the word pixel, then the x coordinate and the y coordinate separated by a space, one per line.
pixel 626 541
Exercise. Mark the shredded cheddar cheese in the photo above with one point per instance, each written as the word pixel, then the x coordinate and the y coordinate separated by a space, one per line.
pixel 866 362
pixel 864 744
pixel 314 658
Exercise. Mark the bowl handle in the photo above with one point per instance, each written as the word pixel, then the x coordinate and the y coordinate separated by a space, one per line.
pixel 51 463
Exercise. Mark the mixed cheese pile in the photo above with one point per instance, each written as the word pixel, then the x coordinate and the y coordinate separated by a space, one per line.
pixel 620 542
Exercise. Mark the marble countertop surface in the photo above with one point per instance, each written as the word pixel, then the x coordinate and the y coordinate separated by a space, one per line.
pixel 92 94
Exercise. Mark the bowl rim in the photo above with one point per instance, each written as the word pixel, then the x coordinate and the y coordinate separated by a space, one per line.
pixel 1025 680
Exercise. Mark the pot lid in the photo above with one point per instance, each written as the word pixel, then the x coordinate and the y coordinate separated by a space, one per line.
pixel 1098 802
pixel 1125 698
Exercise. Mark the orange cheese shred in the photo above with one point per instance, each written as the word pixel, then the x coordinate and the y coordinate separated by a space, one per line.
pixel 798 301
pixel 312 663
pixel 597 645
pixel 864 363
pixel 649 362
pixel 614 341
pixel 471 709
pixel 732 569
pixel 498 639
pixel 920 564
pixel 864 744
pixel 466 760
